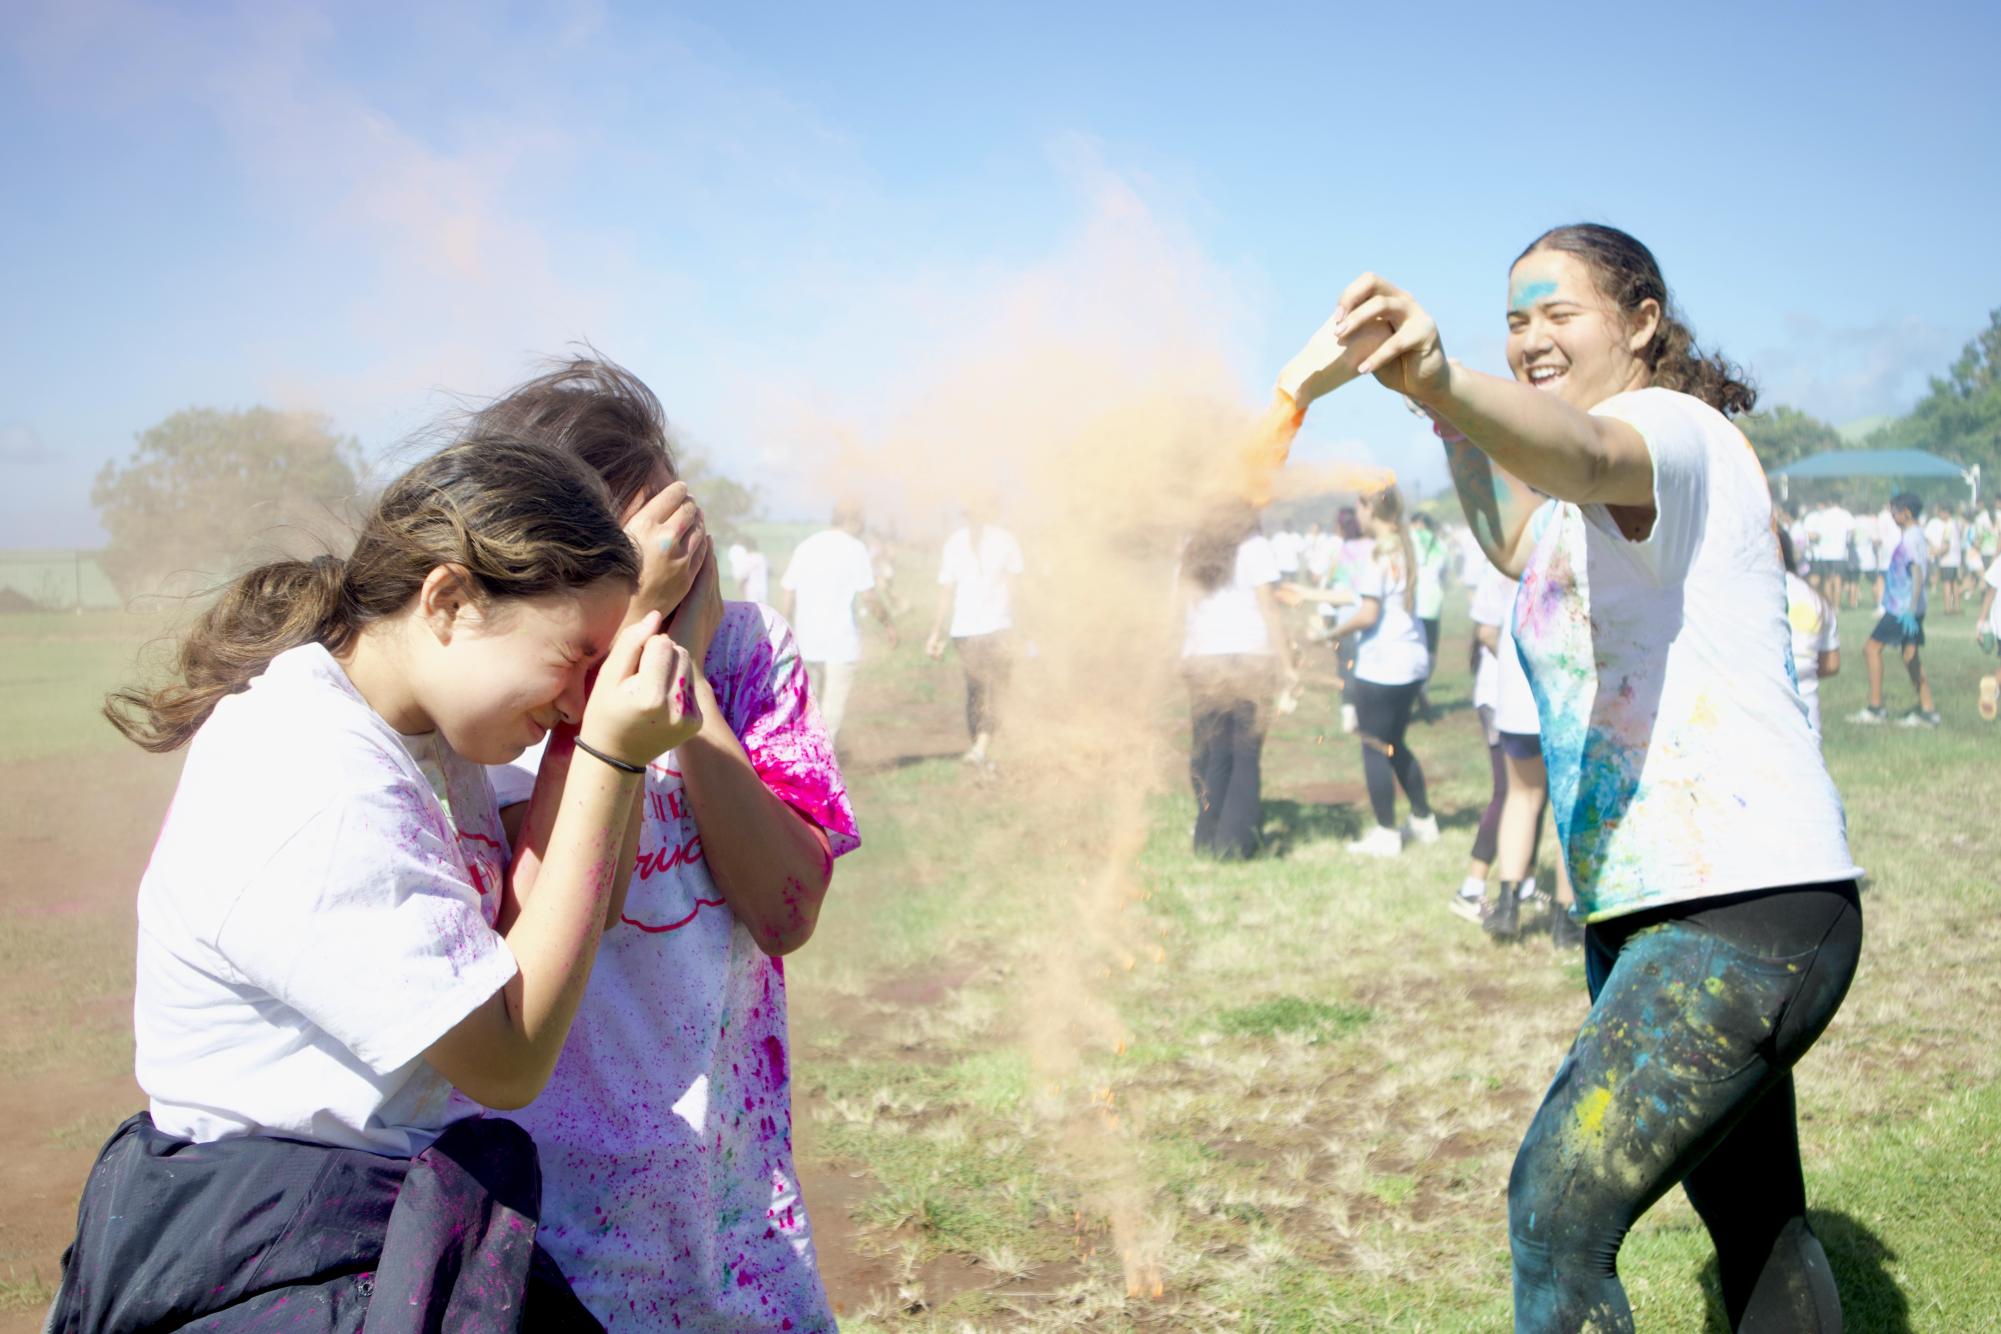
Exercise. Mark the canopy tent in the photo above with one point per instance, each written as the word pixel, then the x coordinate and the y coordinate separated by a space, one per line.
pixel 1914 463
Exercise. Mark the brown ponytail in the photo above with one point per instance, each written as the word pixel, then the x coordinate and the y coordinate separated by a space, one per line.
pixel 520 519
pixel 1628 274
pixel 1386 506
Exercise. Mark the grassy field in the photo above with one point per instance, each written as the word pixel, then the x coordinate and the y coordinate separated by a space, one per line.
pixel 1296 1085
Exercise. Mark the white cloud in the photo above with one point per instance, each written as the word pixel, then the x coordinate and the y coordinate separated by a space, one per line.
pixel 1842 372
pixel 21 446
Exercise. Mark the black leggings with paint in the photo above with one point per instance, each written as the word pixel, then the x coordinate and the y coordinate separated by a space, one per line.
pixel 1382 713
pixel 1682 1072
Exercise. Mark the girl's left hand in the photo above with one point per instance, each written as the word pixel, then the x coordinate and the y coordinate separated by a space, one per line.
pixel 1329 360
pixel 1288 594
pixel 1411 360
pixel 696 620
pixel 673 544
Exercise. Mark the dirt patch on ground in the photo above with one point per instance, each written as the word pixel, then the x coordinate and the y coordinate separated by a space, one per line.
pixel 76 837
pixel 879 1279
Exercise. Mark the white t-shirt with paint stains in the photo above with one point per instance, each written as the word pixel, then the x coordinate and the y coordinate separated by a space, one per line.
pixel 317 912
pixel 1680 761
pixel 669 1197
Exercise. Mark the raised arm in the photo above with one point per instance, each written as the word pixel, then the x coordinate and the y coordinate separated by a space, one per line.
pixel 1520 433
pixel 772 865
pixel 641 705
pixel 1497 507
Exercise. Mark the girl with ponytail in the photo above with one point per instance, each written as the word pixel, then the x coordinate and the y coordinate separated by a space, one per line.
pixel 1705 841
pixel 1392 661
pixel 333 970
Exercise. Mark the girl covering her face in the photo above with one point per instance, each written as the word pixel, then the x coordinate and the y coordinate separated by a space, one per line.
pixel 332 971
pixel 670 1197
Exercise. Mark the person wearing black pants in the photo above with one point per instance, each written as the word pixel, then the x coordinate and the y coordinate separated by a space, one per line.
pixel 1704 838
pixel 1228 701
pixel 1382 715
pixel 1391 664
pixel 1234 653
pixel 1760 975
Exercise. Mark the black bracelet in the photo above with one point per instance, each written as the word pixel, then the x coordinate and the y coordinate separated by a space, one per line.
pixel 623 766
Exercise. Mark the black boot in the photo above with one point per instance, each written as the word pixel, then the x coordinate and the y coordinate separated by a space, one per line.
pixel 1565 931
pixel 1503 919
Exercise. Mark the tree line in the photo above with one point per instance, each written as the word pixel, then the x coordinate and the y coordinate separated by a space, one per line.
pixel 207 488
pixel 1959 418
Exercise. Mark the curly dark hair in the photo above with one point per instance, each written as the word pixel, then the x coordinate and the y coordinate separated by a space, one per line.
pixel 1628 273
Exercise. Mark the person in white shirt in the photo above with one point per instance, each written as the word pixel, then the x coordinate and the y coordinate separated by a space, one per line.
pixel 1321 549
pixel 1432 558
pixel 828 572
pixel 1828 528
pixel 1493 603
pixel 1286 547
pixel 1705 839
pixel 1888 536
pixel 1816 634
pixel 1987 636
pixel 1794 522
pixel 750 570
pixel 1235 660
pixel 980 563
pixel 330 951
pixel 1933 530
pixel 670 1196
pixel 1868 560
pixel 1951 554
pixel 1391 662
pixel 1473 562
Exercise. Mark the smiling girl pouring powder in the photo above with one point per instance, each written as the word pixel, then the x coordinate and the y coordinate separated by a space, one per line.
pixel 670 1196
pixel 327 957
pixel 1705 840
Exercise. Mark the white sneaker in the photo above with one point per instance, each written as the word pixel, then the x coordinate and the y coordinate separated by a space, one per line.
pixel 1348 718
pixel 1421 831
pixel 1382 841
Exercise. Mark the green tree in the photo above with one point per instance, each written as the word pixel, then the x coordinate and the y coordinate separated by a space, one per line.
pixel 1782 434
pixel 726 503
pixel 204 488
pixel 1960 418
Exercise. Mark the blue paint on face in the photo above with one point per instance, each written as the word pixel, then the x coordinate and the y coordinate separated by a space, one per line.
pixel 1528 294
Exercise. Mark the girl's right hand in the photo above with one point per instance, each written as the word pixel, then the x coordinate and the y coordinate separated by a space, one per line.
pixel 644 703
pixel 1412 359
pixel 673 542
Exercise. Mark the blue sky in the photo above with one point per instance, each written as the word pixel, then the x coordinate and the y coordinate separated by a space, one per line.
pixel 782 215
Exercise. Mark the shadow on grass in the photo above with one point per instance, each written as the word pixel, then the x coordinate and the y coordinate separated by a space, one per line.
pixel 1861 1260
pixel 880 764
pixel 1289 824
